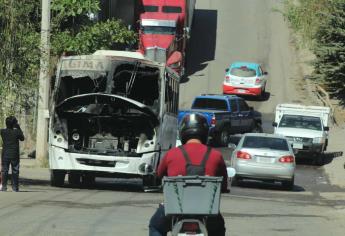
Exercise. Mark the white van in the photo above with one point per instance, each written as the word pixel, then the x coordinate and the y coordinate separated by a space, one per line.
pixel 306 127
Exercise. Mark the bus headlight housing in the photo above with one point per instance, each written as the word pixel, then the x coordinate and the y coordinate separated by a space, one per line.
pixel 75 136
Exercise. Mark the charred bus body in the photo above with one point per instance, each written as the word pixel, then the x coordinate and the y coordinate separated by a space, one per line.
pixel 113 114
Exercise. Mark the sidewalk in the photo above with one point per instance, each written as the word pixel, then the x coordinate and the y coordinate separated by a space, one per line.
pixel 29 169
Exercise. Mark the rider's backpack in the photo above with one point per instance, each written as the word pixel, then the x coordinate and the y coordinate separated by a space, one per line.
pixel 195 169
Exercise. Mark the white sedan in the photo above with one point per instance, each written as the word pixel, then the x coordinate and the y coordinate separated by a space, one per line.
pixel 267 157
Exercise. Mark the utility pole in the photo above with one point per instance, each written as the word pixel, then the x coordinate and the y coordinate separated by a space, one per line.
pixel 44 81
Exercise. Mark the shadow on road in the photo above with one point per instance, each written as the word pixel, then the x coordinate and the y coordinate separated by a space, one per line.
pixel 202 44
pixel 253 184
pixel 34 182
pixel 123 185
pixel 329 156
pixel 264 98
pixel 309 160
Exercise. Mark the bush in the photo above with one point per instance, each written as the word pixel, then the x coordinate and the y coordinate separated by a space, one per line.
pixel 330 50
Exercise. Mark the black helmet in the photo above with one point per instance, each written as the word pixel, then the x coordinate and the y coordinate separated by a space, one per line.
pixel 194 126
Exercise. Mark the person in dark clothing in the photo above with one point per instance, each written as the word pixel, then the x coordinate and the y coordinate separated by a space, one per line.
pixel 192 158
pixel 10 152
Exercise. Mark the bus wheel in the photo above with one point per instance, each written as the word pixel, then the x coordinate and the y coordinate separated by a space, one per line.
pixel 57 178
pixel 88 180
pixel 151 181
pixel 74 179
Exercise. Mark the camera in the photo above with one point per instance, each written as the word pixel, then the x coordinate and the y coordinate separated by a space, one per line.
pixel 15 121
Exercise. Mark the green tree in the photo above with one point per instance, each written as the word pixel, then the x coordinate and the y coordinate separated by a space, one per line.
pixel 304 17
pixel 72 31
pixel 330 49
pixel 19 57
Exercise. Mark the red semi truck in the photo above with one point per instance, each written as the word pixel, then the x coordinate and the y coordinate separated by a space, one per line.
pixel 164 31
pixel 163 26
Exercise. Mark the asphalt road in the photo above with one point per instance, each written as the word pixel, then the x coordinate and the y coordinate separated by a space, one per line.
pixel 224 31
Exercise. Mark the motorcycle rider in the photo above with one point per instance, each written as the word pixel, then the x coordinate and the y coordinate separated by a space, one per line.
pixel 192 158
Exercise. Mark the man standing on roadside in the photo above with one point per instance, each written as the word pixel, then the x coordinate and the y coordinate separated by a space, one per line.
pixel 10 152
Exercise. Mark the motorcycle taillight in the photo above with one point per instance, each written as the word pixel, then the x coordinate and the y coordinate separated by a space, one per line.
pixel 190 227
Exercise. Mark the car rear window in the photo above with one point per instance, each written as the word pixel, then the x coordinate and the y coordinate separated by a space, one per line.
pixel 243 71
pixel 210 104
pixel 304 122
pixel 149 8
pixel 265 142
pixel 172 9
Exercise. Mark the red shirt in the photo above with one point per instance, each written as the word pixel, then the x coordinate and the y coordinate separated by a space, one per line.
pixel 174 163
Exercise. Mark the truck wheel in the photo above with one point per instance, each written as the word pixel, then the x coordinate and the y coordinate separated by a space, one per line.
pixel 289 184
pixel 74 179
pixel 57 178
pixel 223 137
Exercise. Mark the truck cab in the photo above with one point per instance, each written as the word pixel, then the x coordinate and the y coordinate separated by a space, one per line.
pixel 163 33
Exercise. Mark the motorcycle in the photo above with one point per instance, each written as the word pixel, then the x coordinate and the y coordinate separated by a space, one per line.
pixel 190 200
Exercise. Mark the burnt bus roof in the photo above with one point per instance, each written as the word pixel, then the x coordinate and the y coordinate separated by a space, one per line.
pixel 101 59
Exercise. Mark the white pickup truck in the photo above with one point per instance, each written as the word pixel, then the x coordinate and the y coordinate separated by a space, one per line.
pixel 306 127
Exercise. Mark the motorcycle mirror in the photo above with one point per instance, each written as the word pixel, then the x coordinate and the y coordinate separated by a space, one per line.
pixel 231 172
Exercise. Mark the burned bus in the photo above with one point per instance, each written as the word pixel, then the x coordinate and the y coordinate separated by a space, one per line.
pixel 113 114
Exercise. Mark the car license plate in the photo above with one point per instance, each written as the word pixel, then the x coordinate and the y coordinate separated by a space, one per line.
pixel 297 145
pixel 264 159
pixel 241 90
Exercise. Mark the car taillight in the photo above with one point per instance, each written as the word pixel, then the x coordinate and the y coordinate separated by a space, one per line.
pixel 286 159
pixel 227 78
pixel 257 81
pixel 213 121
pixel 190 227
pixel 243 155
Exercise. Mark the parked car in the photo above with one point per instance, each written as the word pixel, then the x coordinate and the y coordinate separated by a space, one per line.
pixel 226 114
pixel 267 157
pixel 245 78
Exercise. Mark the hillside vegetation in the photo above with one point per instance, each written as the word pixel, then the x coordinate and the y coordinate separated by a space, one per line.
pixel 321 25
